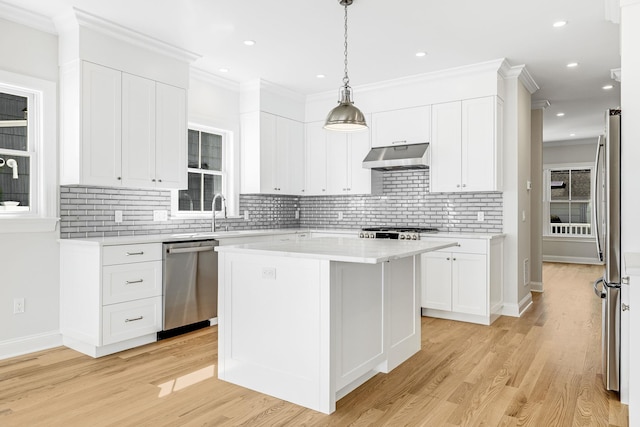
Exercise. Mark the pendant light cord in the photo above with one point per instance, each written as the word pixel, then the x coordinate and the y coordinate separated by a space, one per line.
pixel 345 79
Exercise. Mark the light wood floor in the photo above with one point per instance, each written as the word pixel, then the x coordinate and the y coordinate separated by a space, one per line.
pixel 542 369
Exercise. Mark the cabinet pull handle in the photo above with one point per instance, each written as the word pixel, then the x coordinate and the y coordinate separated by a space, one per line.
pixel 131 282
pixel 135 253
pixel 134 319
pixel 404 141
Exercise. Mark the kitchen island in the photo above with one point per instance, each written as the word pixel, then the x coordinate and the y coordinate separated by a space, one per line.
pixel 308 321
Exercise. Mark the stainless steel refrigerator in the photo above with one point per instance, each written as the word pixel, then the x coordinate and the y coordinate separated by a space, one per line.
pixel 607 220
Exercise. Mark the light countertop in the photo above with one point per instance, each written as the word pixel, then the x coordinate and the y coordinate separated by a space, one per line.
pixel 343 249
pixel 160 238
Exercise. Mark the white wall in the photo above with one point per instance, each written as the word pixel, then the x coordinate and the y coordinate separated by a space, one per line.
pixel 535 264
pixel 630 34
pixel 572 151
pixel 29 261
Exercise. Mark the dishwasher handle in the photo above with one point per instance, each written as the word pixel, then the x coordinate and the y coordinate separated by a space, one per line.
pixel 189 250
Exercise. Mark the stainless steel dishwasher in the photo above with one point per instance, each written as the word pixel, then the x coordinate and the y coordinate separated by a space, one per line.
pixel 189 285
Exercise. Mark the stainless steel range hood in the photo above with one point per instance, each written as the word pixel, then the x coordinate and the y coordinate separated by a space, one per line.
pixel 414 156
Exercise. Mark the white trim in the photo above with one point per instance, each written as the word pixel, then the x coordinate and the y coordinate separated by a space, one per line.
pixel 29 344
pixel 508 71
pixel 79 17
pixel 26 17
pixel 540 104
pixel 536 287
pixel 566 142
pixel 43 135
pixel 570 238
pixel 571 259
pixel 514 310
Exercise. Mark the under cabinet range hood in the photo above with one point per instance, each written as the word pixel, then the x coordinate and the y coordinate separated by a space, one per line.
pixel 413 156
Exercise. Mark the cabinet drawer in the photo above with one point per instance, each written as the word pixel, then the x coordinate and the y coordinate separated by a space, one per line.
pixel 468 246
pixel 125 254
pixel 128 282
pixel 131 319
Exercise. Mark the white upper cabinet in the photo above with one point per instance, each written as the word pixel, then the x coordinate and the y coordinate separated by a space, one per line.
pixel 316 159
pixel 466 146
pixel 334 161
pixel 97 140
pixel 401 127
pixel 126 130
pixel 272 154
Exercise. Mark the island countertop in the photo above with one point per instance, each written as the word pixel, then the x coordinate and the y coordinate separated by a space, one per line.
pixel 366 251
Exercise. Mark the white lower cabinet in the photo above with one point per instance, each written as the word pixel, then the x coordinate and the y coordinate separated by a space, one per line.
pixel 464 282
pixel 110 296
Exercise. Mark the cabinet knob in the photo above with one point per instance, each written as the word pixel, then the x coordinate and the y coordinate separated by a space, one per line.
pixel 448 259
pixel 464 185
pixel 153 180
pixel 159 180
pixel 458 186
pixel 119 178
pixel 454 259
pixel 324 189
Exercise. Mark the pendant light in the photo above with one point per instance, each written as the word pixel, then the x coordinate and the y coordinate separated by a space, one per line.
pixel 346 117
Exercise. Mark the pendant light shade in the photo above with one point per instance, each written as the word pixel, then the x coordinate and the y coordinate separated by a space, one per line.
pixel 346 117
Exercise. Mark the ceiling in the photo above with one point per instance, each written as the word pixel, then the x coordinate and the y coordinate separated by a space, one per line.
pixel 297 40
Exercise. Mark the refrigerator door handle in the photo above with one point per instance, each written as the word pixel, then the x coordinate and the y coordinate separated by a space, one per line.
pixel 597 291
pixel 596 200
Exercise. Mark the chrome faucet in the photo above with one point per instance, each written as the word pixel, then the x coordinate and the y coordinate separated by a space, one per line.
pixel 213 209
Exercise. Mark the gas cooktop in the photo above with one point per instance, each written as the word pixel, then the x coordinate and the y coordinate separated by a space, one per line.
pixel 399 233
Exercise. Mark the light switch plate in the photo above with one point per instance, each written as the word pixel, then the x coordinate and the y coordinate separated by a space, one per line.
pixel 246 215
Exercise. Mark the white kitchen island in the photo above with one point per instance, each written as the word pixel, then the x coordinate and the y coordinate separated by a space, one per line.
pixel 308 321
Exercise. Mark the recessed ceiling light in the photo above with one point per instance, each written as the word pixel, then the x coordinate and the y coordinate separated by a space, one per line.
pixel 320 76
pixel 249 42
pixel 559 24
pixel 560 115
pixel 572 134
pixel 607 87
pixel 572 64
pixel 224 70
pixel 421 54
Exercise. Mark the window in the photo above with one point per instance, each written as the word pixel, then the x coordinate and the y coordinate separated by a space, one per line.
pixel 568 201
pixel 206 169
pixel 17 152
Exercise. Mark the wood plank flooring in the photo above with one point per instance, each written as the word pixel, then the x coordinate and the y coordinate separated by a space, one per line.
pixel 542 369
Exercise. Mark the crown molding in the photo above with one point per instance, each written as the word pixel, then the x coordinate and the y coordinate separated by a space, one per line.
pixel 540 104
pixel 79 18
pixel 26 17
pixel 208 77
pixel 261 84
pixel 520 72
pixel 465 70
pixel 616 74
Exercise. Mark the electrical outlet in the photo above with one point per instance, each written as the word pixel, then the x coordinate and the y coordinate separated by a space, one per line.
pixel 340 216
pixel 118 217
pixel 246 215
pixel 269 273
pixel 480 216
pixel 18 305
pixel 160 215
pixel 297 213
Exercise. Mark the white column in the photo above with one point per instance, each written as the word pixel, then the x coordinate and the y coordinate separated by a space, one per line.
pixel 630 191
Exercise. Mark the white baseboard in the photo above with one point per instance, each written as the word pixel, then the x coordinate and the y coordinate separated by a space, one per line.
pixel 536 287
pixel 514 310
pixel 571 259
pixel 29 344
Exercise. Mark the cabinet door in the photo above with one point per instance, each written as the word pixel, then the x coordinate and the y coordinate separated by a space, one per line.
pixel 337 162
pixel 436 280
pixel 360 178
pixel 268 146
pixel 138 131
pixel 101 125
pixel 315 159
pixel 290 161
pixel 445 148
pixel 171 137
pixel 401 127
pixel 469 282
pixel 478 144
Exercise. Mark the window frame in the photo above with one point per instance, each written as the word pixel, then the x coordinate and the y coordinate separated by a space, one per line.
pixel 42 148
pixel 547 169
pixel 227 156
